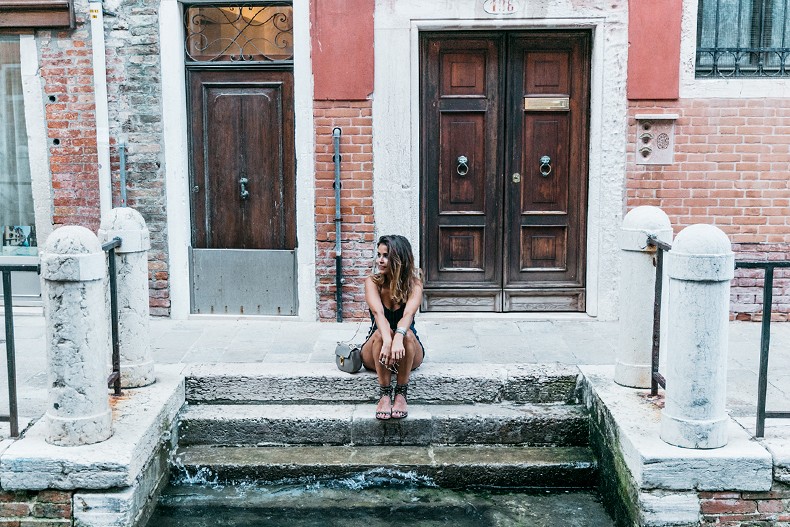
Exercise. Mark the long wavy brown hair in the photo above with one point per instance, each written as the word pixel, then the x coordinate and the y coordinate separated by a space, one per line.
pixel 401 273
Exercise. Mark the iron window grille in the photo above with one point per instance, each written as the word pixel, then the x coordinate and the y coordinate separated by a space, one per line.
pixel 248 33
pixel 743 38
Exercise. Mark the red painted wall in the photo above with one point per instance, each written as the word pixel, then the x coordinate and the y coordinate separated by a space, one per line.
pixel 653 49
pixel 342 49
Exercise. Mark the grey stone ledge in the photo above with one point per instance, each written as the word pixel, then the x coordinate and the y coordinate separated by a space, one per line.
pixel 452 466
pixel 271 424
pixel 742 465
pixel 141 420
pixel 431 383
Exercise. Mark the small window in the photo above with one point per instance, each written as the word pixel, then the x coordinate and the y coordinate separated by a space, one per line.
pixel 743 38
pixel 36 14
pixel 17 221
pixel 248 33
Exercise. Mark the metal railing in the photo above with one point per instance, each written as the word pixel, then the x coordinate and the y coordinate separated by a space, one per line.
pixel 114 380
pixel 765 341
pixel 656 379
pixel 13 413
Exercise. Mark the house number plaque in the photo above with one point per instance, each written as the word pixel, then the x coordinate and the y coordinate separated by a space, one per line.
pixel 500 7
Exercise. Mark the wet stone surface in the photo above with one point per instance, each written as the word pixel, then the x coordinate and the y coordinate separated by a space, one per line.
pixel 376 498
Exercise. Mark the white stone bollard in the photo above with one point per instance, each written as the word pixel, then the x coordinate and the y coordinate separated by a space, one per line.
pixel 137 365
pixel 700 267
pixel 637 291
pixel 73 268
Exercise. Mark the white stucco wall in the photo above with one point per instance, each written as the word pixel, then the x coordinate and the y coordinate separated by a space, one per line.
pixel 176 160
pixel 396 151
pixel 33 94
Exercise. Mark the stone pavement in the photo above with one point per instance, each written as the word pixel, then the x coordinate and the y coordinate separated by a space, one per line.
pixel 448 338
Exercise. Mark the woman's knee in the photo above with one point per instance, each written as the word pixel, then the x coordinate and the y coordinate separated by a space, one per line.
pixel 411 343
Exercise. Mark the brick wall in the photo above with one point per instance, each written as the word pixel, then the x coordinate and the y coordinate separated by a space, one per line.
pixel 755 509
pixel 357 234
pixel 46 508
pixel 67 70
pixel 732 170
pixel 134 94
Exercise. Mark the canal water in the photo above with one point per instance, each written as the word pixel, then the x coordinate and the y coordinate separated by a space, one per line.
pixel 373 499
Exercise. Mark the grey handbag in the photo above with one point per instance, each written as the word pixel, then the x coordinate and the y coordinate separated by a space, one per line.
pixel 348 357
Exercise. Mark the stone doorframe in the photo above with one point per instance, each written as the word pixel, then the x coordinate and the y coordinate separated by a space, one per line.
pixel 396 149
pixel 174 117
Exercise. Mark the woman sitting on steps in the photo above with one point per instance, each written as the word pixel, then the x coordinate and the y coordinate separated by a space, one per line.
pixel 393 294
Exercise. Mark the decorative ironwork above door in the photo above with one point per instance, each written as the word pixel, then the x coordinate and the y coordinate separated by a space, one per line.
pixel 239 33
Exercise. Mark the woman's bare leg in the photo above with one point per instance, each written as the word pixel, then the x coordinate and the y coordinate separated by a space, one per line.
pixel 371 351
pixel 412 359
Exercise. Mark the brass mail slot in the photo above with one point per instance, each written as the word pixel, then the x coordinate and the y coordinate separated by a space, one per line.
pixel 547 104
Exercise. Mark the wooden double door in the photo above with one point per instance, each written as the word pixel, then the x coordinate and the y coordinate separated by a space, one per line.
pixel 504 142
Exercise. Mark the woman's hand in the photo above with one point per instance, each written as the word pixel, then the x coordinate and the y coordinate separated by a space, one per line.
pixel 386 354
pixel 398 350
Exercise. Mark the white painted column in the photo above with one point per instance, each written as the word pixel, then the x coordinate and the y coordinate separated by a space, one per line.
pixel 74 270
pixel 637 292
pixel 131 260
pixel 700 267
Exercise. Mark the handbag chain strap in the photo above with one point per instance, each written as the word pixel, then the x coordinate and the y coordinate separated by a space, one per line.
pixel 359 325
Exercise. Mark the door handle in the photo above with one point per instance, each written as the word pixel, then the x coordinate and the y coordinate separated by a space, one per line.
pixel 463 167
pixel 516 177
pixel 545 166
pixel 243 184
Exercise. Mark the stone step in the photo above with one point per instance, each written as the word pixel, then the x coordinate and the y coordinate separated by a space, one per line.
pixel 300 383
pixel 514 424
pixel 445 466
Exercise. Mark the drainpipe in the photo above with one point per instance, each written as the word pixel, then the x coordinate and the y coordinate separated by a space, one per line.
pixel 338 220
pixel 102 112
pixel 122 175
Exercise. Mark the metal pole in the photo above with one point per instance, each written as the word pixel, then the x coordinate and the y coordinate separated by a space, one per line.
pixel 765 343
pixel 122 163
pixel 338 220
pixel 115 376
pixel 657 321
pixel 10 359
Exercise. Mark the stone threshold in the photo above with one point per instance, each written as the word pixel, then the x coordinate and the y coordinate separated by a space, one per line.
pixel 142 421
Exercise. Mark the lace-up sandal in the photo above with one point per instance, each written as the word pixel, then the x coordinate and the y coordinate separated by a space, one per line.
pixel 400 389
pixel 385 391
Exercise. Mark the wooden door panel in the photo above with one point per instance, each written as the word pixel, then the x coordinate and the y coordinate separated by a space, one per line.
pixel 544 247
pixel 463 74
pixel 462 248
pixel 462 188
pixel 545 135
pixel 243 128
pixel 546 73
pixel 461 231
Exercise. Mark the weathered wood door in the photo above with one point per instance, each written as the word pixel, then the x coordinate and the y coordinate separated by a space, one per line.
pixel 504 124
pixel 242 182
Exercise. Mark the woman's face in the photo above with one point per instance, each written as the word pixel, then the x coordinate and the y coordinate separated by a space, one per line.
pixel 382 258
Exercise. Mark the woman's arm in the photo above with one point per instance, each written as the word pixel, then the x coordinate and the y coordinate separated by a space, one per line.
pixel 373 299
pixel 412 305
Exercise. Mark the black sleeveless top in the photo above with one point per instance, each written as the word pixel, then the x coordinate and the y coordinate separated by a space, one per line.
pixel 393 316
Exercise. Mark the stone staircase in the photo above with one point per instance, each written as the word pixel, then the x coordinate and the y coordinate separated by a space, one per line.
pixel 468 425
